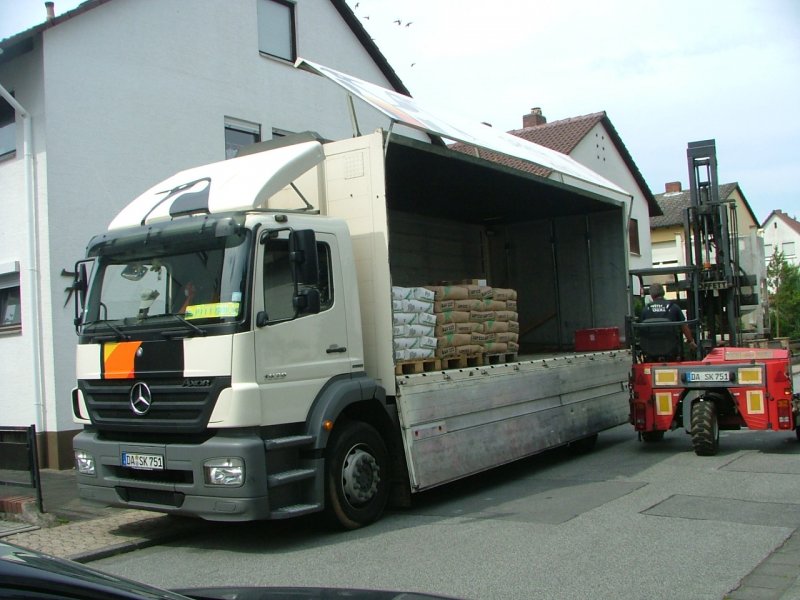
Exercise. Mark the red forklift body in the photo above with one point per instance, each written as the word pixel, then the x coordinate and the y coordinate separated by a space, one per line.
pixel 754 382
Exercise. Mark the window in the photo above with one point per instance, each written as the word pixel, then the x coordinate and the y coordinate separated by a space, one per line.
pixel 276 31
pixel 767 250
pixel 788 249
pixel 279 284
pixel 239 134
pixel 10 314
pixel 8 129
pixel 633 236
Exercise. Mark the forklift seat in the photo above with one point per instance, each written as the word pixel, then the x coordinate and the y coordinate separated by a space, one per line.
pixel 659 339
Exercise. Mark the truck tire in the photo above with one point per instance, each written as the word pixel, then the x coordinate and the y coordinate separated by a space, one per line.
pixel 356 476
pixel 705 429
pixel 650 437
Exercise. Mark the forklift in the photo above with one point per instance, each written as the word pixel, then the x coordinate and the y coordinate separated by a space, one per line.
pixel 720 384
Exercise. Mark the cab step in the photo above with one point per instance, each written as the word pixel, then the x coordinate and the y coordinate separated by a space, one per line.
pixel 291 476
pixel 295 510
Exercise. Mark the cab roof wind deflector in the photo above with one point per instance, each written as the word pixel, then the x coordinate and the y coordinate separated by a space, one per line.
pixel 240 184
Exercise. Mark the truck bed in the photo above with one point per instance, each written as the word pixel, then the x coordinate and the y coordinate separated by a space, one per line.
pixel 459 422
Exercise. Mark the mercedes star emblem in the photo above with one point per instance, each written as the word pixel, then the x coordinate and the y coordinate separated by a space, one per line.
pixel 141 399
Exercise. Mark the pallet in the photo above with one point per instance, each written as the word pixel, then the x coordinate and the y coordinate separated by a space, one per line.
pixel 413 367
pixel 501 358
pixel 462 361
pixel 429 365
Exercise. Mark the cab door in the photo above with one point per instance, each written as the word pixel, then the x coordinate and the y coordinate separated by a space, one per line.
pixel 297 355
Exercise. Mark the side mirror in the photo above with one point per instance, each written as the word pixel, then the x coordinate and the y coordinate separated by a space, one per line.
pixel 80 286
pixel 82 283
pixel 303 252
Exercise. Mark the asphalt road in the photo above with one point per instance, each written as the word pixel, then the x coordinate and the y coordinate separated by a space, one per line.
pixel 628 520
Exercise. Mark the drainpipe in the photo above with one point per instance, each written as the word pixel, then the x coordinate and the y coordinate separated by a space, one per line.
pixel 33 260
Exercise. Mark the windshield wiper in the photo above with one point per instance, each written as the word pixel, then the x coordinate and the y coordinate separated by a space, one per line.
pixel 183 321
pixel 119 333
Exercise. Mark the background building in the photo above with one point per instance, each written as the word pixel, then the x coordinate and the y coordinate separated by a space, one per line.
pixel 782 234
pixel 107 99
pixel 669 243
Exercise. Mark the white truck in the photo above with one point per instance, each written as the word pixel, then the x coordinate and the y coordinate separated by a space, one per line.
pixel 235 356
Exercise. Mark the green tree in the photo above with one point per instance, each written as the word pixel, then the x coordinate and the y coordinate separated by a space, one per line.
pixel 783 280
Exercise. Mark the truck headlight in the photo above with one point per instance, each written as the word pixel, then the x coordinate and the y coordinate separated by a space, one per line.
pixel 84 462
pixel 224 471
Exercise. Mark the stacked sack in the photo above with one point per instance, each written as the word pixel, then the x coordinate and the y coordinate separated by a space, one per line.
pixel 413 323
pixel 475 319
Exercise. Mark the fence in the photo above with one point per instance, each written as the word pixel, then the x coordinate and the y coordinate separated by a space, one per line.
pixel 18 455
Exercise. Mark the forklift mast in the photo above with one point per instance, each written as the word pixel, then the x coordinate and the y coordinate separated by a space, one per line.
pixel 712 252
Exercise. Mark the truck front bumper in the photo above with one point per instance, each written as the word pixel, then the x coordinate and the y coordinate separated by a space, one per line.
pixel 180 487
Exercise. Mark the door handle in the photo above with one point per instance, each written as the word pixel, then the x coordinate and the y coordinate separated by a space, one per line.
pixel 334 349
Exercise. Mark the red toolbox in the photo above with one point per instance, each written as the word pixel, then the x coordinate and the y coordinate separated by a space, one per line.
pixel 602 338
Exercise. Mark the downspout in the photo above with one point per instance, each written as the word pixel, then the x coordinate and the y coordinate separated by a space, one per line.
pixel 33 259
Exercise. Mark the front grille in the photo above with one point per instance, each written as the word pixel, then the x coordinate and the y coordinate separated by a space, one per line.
pixel 129 494
pixel 175 407
pixel 168 476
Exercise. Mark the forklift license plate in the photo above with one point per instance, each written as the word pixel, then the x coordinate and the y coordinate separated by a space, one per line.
pixel 709 376
pixel 146 462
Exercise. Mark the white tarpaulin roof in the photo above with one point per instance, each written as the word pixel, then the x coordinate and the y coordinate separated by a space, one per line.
pixel 410 112
pixel 238 184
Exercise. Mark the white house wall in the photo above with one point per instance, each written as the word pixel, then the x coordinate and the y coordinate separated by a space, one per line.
pixel 598 152
pixel 134 92
pixel 17 403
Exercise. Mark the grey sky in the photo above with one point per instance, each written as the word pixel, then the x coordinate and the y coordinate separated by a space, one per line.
pixel 667 72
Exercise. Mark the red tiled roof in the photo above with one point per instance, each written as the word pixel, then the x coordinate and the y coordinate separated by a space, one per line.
pixel 562 136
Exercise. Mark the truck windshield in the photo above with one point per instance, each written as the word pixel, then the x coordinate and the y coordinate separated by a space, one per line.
pixel 169 280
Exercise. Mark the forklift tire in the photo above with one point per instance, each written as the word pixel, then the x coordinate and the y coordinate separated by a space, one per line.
pixel 705 429
pixel 356 476
pixel 649 437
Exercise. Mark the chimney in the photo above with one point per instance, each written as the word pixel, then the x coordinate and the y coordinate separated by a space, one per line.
pixel 534 118
pixel 51 10
pixel 673 186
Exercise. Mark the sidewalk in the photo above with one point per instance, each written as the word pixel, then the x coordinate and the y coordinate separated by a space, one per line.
pixel 71 528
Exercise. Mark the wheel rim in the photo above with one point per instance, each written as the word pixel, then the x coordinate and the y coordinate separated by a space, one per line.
pixel 360 476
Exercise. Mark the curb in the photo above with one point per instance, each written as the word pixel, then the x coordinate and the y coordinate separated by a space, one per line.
pixel 86 541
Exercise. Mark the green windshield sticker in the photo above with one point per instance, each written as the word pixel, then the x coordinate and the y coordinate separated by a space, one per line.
pixel 211 311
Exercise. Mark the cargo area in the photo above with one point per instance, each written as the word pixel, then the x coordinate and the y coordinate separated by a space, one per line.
pixel 562 251
pixel 461 218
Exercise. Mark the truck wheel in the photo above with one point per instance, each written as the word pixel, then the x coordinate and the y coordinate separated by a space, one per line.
pixel 356 476
pixel 650 437
pixel 705 429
